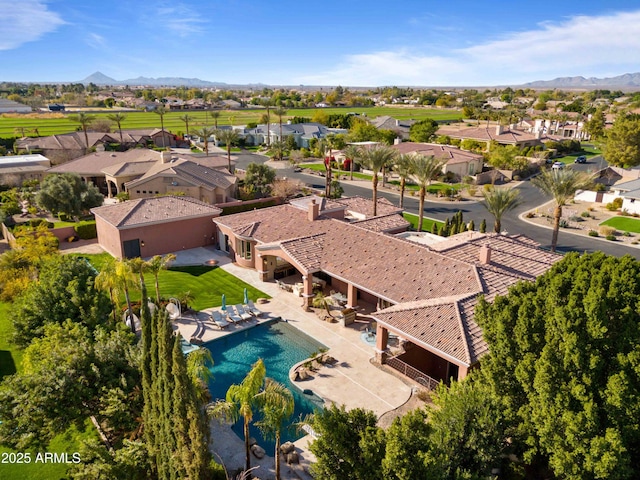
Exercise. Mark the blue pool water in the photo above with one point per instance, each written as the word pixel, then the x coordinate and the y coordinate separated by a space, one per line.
pixel 280 346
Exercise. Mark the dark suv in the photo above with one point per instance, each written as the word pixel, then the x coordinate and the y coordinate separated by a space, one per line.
pixel 581 159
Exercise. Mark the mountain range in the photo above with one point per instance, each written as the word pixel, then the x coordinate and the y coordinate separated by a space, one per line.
pixel 628 80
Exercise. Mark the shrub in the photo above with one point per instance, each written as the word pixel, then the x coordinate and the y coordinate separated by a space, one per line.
pixel 605 230
pixel 593 233
pixel 626 234
pixel 86 231
pixel 564 223
pixel 599 187
pixel 488 187
pixel 624 213
pixel 611 238
pixel 530 215
pixel 585 214
pixel 575 218
pixel 614 205
pixel 36 222
pixel 472 191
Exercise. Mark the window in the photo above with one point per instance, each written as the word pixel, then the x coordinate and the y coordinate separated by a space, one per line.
pixel 244 248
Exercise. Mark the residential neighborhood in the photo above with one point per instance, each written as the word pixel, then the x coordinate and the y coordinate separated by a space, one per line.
pixel 386 253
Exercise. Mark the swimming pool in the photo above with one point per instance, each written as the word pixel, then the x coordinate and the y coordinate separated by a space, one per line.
pixel 280 346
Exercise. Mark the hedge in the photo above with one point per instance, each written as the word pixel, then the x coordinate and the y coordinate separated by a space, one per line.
pixel 86 231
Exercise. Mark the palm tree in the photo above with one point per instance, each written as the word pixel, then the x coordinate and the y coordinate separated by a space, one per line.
pixel 155 265
pixel 108 280
pixel 351 152
pixel 498 202
pixel 278 149
pixel 204 133
pixel 267 103
pixel 85 121
pixel 161 110
pixel 562 185
pixel 277 405
pixel 186 118
pixel 240 402
pixel 424 170
pixel 375 159
pixel 215 115
pixel 280 111
pixel 118 118
pixel 403 167
pixel 229 138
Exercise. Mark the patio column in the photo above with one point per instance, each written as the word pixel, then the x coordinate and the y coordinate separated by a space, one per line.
pixel 382 337
pixel 110 194
pixel 352 295
pixel 307 293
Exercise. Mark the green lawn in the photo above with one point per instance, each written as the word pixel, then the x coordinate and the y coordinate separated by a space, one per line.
pixel 624 224
pixel 588 151
pixel 206 284
pixel 10 355
pixel 12 126
pixel 427 223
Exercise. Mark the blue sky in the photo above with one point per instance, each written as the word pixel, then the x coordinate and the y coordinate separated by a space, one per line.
pixel 349 43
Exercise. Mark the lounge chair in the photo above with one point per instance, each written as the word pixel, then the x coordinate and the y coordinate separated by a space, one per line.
pixel 232 315
pixel 218 320
pixel 244 315
pixel 251 308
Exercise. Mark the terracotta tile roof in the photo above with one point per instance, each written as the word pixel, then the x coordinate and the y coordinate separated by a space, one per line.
pixel 386 223
pixel 485 134
pixel 154 210
pixel 364 206
pixel 307 251
pixel 451 155
pixel 94 163
pixel 190 172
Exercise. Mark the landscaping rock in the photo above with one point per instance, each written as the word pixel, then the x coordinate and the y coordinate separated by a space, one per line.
pixel 258 451
pixel 287 447
pixel 292 458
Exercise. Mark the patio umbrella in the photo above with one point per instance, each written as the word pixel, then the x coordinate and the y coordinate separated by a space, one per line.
pixel 224 302
pixel 246 296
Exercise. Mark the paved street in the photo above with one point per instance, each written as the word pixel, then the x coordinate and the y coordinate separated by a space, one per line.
pixel 531 196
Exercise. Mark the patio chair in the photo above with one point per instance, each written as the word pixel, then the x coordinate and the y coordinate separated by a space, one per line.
pixel 218 320
pixel 251 308
pixel 232 315
pixel 243 315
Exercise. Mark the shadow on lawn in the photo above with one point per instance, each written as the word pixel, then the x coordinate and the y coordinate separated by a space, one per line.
pixel 195 270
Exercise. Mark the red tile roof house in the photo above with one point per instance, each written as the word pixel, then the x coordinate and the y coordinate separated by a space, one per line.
pixel 459 162
pixel 155 226
pixel 498 133
pixel 425 294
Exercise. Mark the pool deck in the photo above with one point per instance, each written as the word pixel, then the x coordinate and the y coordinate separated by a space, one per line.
pixel 353 381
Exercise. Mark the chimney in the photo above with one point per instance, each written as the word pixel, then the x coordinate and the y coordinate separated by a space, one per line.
pixel 485 254
pixel 314 210
pixel 165 157
pixel 499 130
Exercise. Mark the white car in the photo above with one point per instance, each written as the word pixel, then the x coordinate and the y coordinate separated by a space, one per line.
pixel 557 165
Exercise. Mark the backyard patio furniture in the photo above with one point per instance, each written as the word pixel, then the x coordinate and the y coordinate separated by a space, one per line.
pixel 252 309
pixel 218 320
pixel 232 315
pixel 244 315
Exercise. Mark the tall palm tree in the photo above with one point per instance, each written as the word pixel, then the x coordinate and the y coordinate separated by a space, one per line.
pixel 161 110
pixel 109 281
pixel 280 111
pixel 375 159
pixel 229 138
pixel 85 121
pixel 155 265
pixel 403 166
pixel 204 133
pixel 186 118
pixel 118 118
pixel 215 115
pixel 425 169
pixel 267 103
pixel 241 401
pixel 351 152
pixel 562 185
pixel 277 405
pixel 498 202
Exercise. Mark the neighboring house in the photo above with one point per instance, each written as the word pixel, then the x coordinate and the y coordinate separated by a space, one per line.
pixel 630 193
pixel 425 294
pixel 185 177
pixel 9 106
pixel 301 132
pixel 401 127
pixel 155 226
pixel 15 169
pixel 459 162
pixel 498 133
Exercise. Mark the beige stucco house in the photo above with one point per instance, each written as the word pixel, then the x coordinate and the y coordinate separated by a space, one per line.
pixel 459 162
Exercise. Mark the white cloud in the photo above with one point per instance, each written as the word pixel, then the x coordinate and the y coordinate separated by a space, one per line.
pixel 96 41
pixel 25 21
pixel 180 19
pixel 590 45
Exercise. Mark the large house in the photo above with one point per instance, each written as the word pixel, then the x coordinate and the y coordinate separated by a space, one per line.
pixel 458 162
pixel 15 169
pixel 423 293
pixel 302 133
pixel 503 135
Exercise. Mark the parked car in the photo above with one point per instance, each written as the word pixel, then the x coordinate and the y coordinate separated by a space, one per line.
pixel 581 159
pixel 557 165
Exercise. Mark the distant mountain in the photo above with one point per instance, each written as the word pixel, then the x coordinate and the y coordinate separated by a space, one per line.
pixel 626 80
pixel 99 78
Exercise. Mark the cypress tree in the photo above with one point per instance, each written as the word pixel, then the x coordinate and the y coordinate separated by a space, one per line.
pixel 434 228
pixel 483 226
pixel 472 226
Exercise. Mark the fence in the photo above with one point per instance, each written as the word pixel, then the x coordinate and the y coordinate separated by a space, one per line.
pixel 413 373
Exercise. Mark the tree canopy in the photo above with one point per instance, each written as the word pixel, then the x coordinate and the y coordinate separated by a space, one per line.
pixel 259 178
pixel 622 146
pixel 565 363
pixel 423 131
pixel 67 193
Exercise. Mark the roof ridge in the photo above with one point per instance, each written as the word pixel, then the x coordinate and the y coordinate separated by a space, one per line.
pixel 463 331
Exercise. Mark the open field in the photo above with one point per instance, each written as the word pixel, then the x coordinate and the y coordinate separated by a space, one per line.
pixel 12 125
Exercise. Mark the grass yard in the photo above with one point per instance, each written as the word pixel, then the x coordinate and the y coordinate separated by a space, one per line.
pixel 206 284
pixel 427 222
pixel 10 355
pixel 624 224
pixel 318 167
pixel 15 125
